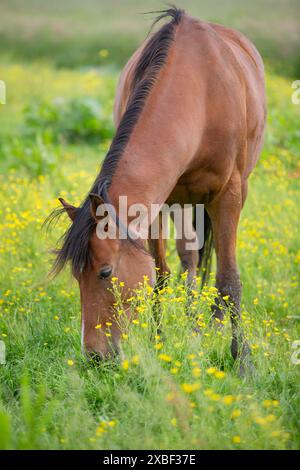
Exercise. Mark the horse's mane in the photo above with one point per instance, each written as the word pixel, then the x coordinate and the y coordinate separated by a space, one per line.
pixel 75 241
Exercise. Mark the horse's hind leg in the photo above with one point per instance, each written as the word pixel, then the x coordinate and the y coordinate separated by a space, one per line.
pixel 224 214
pixel 157 248
pixel 185 236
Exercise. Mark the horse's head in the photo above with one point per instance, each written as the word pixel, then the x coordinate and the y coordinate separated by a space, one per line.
pixel 96 262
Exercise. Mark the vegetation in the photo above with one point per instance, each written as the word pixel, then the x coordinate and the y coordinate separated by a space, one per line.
pixel 180 390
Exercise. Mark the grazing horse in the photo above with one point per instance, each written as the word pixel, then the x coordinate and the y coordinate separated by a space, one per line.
pixel 190 116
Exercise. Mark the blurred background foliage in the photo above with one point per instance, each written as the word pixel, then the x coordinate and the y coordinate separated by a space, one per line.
pixel 72 33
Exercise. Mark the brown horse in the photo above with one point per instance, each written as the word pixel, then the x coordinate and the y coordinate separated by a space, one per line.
pixel 190 116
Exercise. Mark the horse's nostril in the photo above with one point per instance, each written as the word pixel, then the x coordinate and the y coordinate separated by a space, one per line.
pixel 105 272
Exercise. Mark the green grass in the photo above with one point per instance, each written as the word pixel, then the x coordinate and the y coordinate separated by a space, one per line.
pixel 71 32
pixel 167 393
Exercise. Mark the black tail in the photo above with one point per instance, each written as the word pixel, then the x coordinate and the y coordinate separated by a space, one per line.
pixel 206 252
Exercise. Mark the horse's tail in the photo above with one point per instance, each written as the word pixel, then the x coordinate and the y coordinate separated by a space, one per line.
pixel 206 252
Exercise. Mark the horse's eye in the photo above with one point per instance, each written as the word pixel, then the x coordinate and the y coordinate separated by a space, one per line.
pixel 104 273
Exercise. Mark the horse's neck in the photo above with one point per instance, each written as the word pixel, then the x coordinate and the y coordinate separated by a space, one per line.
pixel 158 151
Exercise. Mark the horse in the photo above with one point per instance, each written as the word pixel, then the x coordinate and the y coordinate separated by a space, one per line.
pixel 190 113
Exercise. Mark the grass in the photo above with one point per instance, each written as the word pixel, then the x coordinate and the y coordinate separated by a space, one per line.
pixel 180 391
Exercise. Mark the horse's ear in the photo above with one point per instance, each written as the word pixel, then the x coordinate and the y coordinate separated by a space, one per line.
pixel 70 210
pixel 96 201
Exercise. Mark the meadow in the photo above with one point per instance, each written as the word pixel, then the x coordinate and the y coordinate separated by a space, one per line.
pixel 179 390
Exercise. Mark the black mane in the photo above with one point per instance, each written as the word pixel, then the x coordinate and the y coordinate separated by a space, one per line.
pixel 75 241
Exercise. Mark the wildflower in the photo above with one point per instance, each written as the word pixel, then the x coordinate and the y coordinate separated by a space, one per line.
pixel 125 364
pixel 98 326
pixel 270 418
pixel 236 414
pixel 196 371
pixel 260 420
pixel 70 362
pixel 228 399
pixel 219 374
pixel 191 356
pixel 135 360
pixel 170 396
pixel 112 423
pixel 174 422
pixel 158 346
pixel 236 439
pixel 190 388
pixel 215 397
pixel 211 370
pixel 165 357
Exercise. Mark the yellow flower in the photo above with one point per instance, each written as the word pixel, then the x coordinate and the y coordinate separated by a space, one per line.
pixel 70 362
pixel 196 372
pixel 259 420
pixel 219 374
pixel 165 357
pixel 235 414
pixel 98 326
pixel 236 439
pixel 170 396
pixel 215 397
pixel 112 423
pixel 135 360
pixel 125 364
pixel 174 422
pixel 211 370
pixel 190 388
pixel 228 399
pixel 158 346
pixel 270 418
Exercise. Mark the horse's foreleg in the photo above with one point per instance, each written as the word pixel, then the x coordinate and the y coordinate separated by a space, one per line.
pixel 224 214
